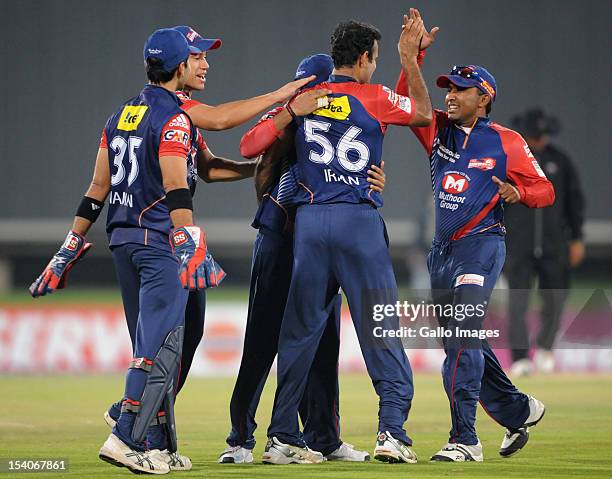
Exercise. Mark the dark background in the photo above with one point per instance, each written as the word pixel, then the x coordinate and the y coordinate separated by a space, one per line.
pixel 67 65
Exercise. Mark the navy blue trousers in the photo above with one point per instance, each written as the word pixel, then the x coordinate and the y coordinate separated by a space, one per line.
pixel 464 272
pixel 270 279
pixel 338 245
pixel 194 327
pixel 154 302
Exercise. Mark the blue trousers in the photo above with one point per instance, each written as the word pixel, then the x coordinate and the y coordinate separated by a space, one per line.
pixel 338 245
pixel 464 272
pixel 194 325
pixel 152 294
pixel 270 279
pixel 194 330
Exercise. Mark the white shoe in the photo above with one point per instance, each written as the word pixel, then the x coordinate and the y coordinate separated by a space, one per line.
pixel 175 461
pixel 109 420
pixel 536 412
pixel 454 452
pixel 279 453
pixel 515 440
pixel 236 455
pixel 117 453
pixel 389 449
pixel 521 368
pixel 347 452
pixel 544 361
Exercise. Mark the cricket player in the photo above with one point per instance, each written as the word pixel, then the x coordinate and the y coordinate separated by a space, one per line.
pixel 340 238
pixel 476 167
pixel 210 168
pixel 143 165
pixel 276 184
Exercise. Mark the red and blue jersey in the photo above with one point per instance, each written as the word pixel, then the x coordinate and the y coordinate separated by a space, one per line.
pixel 276 211
pixel 463 162
pixel 144 129
pixel 197 146
pixel 336 145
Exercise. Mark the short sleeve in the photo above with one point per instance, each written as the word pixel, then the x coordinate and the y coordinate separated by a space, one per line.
pixel 103 140
pixel 175 138
pixel 393 108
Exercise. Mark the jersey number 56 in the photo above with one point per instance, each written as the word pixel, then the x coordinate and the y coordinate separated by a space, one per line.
pixel 347 143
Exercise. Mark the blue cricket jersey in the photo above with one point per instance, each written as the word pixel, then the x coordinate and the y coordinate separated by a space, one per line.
pixel 135 135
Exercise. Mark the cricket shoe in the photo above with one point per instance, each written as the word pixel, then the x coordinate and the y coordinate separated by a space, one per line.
pixel 109 420
pixel 515 439
pixel 277 452
pixel 236 455
pixel 454 452
pixel 388 449
pixel 175 461
pixel 117 453
pixel 347 452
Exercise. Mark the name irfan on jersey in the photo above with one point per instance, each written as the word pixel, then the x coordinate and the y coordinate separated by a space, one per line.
pixel 333 177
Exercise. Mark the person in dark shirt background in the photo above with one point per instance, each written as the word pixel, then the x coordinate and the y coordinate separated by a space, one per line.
pixel 544 243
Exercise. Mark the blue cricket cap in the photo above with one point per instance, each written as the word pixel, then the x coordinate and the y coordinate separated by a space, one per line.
pixel 198 44
pixel 167 45
pixel 470 76
pixel 320 65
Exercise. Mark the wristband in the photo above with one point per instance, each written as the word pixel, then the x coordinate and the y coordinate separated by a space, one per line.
pixel 179 199
pixel 290 110
pixel 90 208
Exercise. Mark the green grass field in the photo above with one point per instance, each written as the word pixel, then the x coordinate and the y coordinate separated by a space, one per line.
pixel 61 417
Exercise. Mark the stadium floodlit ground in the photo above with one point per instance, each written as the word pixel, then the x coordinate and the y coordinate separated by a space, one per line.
pixel 61 417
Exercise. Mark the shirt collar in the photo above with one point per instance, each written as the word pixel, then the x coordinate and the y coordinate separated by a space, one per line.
pixel 341 79
pixel 160 89
pixel 482 122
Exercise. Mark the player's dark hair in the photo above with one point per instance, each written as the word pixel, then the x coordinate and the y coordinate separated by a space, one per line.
pixel 155 72
pixel 350 39
pixel 490 104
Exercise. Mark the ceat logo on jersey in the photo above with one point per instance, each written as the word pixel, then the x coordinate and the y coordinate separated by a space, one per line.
pixel 453 183
pixel 338 109
pixel 131 116
pixel 482 164
pixel 179 238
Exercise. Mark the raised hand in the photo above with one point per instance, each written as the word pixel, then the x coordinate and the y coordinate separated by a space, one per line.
pixel 428 36
pixel 410 38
